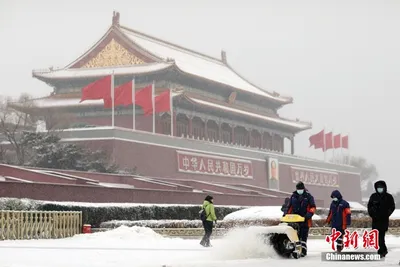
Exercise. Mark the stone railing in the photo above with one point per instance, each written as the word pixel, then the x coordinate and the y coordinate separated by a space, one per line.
pixel 39 224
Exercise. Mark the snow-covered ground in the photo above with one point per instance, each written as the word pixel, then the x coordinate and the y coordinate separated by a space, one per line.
pixel 141 247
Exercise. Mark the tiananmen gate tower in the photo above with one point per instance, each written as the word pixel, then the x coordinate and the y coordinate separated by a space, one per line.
pixel 228 138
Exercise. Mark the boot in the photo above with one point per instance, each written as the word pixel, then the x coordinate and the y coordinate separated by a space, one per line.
pixel 303 249
pixel 203 242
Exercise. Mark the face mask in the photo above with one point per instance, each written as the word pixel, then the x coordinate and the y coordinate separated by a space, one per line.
pixel 380 190
pixel 300 191
pixel 335 199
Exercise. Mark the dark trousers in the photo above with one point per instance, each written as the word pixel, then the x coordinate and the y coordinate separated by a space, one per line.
pixel 303 236
pixel 382 244
pixel 208 228
pixel 339 241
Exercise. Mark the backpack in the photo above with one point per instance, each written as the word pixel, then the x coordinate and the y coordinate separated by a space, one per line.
pixel 203 214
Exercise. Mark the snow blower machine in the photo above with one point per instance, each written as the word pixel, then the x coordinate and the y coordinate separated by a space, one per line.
pixel 284 237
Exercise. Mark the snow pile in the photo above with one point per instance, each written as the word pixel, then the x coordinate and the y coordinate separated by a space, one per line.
pixel 259 213
pixel 395 214
pixel 123 233
pixel 7 203
pixel 243 243
pixel 154 223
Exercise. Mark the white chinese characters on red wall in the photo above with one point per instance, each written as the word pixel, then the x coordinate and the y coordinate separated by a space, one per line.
pixel 214 165
pixel 314 177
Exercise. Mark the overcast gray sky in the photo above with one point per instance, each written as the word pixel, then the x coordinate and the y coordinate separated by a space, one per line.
pixel 340 60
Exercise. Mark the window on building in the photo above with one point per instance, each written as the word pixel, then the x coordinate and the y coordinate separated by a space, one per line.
pixel 182 126
pixel 255 140
pixel 198 128
pixel 241 136
pixel 212 131
pixel 166 124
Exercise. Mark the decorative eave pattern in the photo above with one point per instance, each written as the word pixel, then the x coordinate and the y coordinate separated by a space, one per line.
pixel 297 125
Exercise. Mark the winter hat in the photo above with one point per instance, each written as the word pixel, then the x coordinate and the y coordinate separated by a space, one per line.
pixel 208 198
pixel 300 185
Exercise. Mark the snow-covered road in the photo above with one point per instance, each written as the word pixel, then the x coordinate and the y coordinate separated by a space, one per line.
pixel 141 247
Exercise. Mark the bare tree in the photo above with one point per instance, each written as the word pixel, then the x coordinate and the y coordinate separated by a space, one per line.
pixel 14 119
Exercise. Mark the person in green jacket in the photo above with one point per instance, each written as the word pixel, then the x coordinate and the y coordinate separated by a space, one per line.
pixel 208 219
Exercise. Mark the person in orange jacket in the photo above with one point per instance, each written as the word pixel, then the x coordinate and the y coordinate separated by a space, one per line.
pixel 339 216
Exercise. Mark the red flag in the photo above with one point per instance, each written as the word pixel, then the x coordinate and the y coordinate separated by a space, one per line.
pixel 143 98
pixel 317 140
pixel 328 141
pixel 100 89
pixel 122 95
pixel 162 103
pixel 345 142
pixel 337 141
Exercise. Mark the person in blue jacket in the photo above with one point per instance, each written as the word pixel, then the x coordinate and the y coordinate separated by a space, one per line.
pixel 303 204
pixel 339 216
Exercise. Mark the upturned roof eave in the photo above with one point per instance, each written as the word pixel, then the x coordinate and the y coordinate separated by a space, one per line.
pixel 293 129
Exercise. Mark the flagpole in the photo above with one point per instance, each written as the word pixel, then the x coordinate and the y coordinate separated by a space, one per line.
pixel 112 100
pixel 172 112
pixel 153 105
pixel 333 147
pixel 324 144
pixel 348 149
pixel 341 148
pixel 133 104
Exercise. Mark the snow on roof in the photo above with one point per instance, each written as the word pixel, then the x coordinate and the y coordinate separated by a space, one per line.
pixel 99 72
pixel 197 64
pixel 53 102
pixel 258 213
pixel 356 206
pixel 64 102
pixel 301 125
pixel 115 185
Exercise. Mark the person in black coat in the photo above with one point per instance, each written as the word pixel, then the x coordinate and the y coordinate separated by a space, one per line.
pixel 380 206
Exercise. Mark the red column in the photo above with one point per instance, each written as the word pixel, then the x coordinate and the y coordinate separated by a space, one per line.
pixel 190 127
pixel 292 145
pixel 220 132
pixel 206 129
pixel 249 132
pixel 273 142
pixel 233 134
pixel 262 139
pixel 174 120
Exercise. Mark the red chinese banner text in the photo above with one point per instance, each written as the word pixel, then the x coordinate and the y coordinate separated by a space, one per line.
pixel 214 165
pixel 314 177
pixel 370 239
